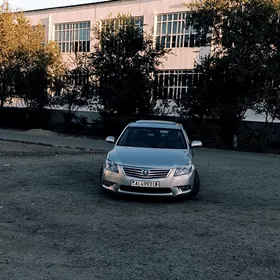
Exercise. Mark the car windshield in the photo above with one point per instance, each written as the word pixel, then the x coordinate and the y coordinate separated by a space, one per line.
pixel 147 137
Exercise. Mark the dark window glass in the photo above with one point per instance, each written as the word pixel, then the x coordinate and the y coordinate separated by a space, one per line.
pixel 146 137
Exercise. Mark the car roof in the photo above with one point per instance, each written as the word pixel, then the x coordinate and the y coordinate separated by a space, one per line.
pixel 155 124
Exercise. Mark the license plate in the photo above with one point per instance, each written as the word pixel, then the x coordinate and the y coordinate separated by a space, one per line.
pixel 144 184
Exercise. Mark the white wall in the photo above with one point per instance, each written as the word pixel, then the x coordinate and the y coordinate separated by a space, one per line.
pixel 252 117
pixel 183 58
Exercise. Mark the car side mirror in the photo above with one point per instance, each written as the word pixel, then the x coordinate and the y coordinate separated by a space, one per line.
pixel 110 139
pixel 196 143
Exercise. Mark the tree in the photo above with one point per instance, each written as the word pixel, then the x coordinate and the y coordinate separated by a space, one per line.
pixel 244 36
pixel 269 107
pixel 28 64
pixel 124 62
pixel 34 74
pixel 74 89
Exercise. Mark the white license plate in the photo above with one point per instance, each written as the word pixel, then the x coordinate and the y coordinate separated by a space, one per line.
pixel 144 184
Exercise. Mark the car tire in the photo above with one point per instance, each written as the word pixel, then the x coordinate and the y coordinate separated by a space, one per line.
pixel 196 186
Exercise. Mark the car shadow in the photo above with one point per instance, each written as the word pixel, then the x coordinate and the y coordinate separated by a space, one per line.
pixel 85 180
pixel 145 199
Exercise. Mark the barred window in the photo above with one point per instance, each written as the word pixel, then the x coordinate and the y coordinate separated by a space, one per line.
pixel 174 84
pixel 73 37
pixel 78 78
pixel 116 23
pixel 172 31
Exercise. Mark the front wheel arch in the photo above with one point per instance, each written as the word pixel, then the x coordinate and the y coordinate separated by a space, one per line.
pixel 196 186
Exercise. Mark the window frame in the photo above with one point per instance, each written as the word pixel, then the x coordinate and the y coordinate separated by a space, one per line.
pixel 171 32
pixel 115 22
pixel 73 36
pixel 177 85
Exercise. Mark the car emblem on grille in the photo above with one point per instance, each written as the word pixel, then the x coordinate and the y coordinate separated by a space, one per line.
pixel 145 172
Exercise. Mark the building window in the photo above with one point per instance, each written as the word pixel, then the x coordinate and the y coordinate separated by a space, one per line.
pixel 73 37
pixel 174 84
pixel 115 23
pixel 77 78
pixel 81 79
pixel 172 31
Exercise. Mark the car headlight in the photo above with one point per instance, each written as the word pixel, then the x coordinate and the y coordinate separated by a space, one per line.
pixel 186 169
pixel 111 166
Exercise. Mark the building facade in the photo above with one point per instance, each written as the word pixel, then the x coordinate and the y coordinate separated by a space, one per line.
pixel 71 28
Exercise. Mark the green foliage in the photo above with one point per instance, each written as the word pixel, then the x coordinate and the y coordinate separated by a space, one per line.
pixel 124 62
pixel 27 63
pixel 70 97
pixel 269 107
pixel 252 140
pixel 73 88
pixel 73 91
pixel 243 65
pixel 24 118
pixel 31 79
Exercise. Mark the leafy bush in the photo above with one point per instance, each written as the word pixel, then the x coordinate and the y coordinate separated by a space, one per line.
pixel 250 140
pixel 209 133
pixel 83 121
pixel 24 118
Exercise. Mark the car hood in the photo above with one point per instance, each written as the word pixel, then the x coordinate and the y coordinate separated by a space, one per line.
pixel 149 157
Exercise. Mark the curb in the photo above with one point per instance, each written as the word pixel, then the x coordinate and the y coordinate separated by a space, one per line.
pixel 44 153
pixel 58 150
pixel 276 155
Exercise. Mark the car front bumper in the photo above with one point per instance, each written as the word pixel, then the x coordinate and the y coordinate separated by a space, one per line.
pixel 171 186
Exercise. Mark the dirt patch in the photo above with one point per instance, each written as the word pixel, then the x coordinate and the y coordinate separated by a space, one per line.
pixel 40 132
pixel 15 148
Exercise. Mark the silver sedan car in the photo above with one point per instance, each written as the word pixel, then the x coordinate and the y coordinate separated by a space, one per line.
pixel 152 158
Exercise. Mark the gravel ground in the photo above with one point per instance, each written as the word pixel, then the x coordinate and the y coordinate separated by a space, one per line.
pixel 56 223
pixel 16 148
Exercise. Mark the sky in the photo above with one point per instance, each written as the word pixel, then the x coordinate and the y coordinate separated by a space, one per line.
pixel 39 4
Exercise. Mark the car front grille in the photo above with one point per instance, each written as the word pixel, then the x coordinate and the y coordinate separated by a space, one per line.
pixel 142 173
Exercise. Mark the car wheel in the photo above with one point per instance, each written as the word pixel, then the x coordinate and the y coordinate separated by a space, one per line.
pixel 196 186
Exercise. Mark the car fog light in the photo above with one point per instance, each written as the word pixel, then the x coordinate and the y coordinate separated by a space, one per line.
pixel 185 188
pixel 107 183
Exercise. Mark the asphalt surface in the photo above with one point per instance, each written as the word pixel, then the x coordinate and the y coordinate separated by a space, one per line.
pixel 55 223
